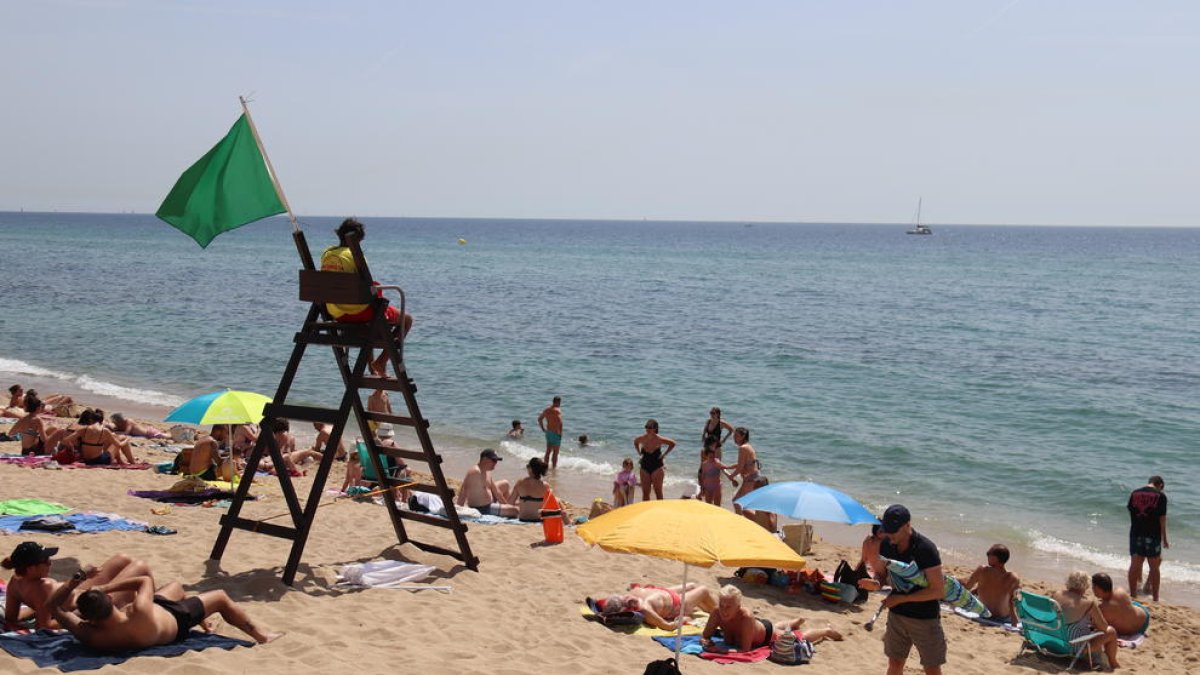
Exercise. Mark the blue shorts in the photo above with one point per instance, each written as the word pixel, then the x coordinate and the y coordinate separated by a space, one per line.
pixel 553 438
pixel 1146 547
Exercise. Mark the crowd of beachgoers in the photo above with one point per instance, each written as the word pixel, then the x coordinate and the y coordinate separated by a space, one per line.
pixel 120 604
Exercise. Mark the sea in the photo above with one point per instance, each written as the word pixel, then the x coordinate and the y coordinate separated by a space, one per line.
pixel 1007 384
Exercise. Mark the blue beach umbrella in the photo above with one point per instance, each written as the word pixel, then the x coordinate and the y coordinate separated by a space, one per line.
pixel 221 407
pixel 807 501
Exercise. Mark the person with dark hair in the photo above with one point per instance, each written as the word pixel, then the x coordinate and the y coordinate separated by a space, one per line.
pixel 482 492
pixel 529 492
pixel 150 619
pixel 550 421
pixel 32 586
pixel 37 437
pixel 1126 615
pixel 340 258
pixel 995 586
pixel 517 431
pixel 748 467
pixel 914 617
pixel 98 446
pixel 652 459
pixel 1147 534
pixel 710 438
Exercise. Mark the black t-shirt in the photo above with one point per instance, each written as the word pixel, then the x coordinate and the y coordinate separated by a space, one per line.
pixel 1146 506
pixel 923 552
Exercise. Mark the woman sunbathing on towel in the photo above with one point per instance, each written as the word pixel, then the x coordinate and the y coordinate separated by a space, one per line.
pixel 661 607
pixel 744 632
pixel 131 428
pixel 31 585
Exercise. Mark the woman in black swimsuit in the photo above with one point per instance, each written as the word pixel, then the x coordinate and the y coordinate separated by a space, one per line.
pixel 529 492
pixel 710 436
pixel 651 456
pixel 94 441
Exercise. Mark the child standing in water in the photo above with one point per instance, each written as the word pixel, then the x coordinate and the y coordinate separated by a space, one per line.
pixel 624 484
pixel 710 477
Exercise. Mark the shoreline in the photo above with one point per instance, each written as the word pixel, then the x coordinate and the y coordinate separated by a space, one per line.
pixel 581 487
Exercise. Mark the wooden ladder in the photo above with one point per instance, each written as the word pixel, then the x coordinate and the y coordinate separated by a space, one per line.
pixel 320 288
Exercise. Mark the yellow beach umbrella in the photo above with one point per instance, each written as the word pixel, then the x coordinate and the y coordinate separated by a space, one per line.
pixel 692 532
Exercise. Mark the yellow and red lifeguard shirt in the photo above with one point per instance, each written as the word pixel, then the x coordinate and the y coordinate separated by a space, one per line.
pixel 340 259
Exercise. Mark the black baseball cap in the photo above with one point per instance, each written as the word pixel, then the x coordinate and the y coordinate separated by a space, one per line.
pixel 490 454
pixel 30 553
pixel 894 518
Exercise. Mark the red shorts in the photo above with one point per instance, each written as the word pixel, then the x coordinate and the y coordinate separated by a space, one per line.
pixel 392 315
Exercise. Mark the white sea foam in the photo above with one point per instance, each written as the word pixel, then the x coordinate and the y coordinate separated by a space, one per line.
pixel 146 396
pixel 1170 570
pixel 21 368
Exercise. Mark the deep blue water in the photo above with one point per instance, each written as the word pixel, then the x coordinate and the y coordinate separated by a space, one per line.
pixel 1007 383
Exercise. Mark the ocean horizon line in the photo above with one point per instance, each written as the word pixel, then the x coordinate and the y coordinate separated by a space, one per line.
pixel 665 221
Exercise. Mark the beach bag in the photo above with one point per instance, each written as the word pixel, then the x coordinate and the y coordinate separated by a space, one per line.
pixel 846 574
pixel 182 434
pixel 599 508
pixel 662 667
pixel 65 455
pixel 790 651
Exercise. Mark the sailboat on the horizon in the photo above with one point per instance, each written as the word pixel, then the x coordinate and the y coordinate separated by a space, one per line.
pixel 919 228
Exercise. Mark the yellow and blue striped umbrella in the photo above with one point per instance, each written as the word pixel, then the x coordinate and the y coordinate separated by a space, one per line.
pixel 221 407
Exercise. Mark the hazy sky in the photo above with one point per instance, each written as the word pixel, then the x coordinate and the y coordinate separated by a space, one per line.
pixel 1004 111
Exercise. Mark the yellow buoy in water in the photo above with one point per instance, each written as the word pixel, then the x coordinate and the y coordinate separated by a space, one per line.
pixel 462 241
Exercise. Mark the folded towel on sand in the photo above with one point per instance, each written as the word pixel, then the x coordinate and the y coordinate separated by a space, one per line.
pixel 985 621
pixel 61 650
pixel 30 507
pixel 81 522
pixel 691 645
pixel 1131 641
pixel 694 625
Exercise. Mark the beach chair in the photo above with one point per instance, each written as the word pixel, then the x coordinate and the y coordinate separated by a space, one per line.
pixel 391 468
pixel 1046 631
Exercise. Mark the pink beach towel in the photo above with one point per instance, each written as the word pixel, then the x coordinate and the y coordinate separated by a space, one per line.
pixel 754 656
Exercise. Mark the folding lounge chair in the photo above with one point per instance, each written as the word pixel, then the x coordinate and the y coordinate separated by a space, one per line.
pixel 390 465
pixel 1046 631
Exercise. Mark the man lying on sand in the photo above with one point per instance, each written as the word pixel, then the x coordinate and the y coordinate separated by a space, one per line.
pixel 743 632
pixel 1118 608
pixel 996 586
pixel 32 586
pixel 151 619
pixel 661 607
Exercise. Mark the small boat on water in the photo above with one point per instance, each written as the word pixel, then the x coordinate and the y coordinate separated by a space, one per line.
pixel 919 228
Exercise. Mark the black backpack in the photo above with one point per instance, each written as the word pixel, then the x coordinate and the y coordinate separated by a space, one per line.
pixel 663 667
pixel 845 574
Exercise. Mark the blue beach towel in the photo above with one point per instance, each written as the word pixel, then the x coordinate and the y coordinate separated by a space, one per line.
pixel 61 650
pixel 83 522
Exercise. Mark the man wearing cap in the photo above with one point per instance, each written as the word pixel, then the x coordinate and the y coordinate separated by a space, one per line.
pixel 1147 533
pixel 32 586
pixel 480 492
pixel 915 615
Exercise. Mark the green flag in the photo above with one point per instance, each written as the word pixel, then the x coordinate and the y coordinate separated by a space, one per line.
pixel 226 189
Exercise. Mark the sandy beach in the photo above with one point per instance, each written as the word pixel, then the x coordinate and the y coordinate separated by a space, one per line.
pixel 519 613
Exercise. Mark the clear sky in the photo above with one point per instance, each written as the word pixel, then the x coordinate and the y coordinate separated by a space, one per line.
pixel 1081 112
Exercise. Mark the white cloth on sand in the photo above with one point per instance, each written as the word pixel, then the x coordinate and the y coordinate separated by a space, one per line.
pixel 383 574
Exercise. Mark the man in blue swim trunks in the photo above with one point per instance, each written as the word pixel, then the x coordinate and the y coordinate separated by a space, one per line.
pixel 551 422
pixel 1122 612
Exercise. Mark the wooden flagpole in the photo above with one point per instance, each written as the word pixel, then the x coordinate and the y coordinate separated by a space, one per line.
pixel 270 168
